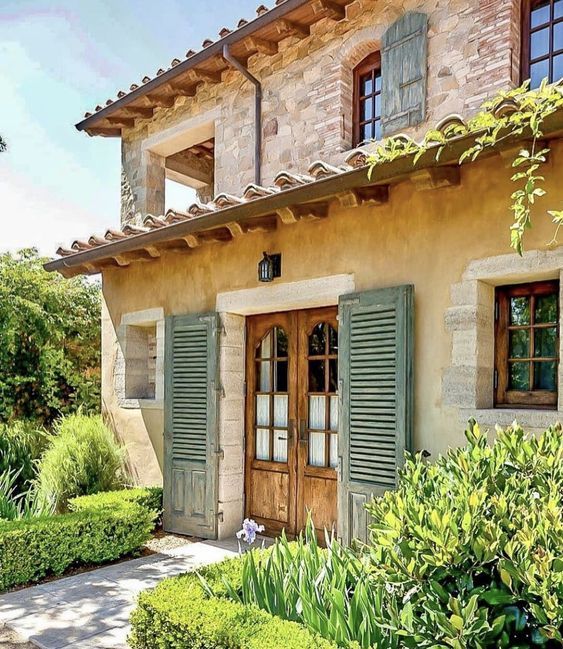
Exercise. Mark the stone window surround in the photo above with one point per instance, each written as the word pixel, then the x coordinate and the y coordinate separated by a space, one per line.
pixel 467 383
pixel 233 307
pixel 146 317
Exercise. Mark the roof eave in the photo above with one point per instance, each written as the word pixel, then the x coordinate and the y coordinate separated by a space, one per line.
pixel 212 50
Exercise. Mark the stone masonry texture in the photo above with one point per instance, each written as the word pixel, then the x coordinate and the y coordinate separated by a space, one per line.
pixel 474 50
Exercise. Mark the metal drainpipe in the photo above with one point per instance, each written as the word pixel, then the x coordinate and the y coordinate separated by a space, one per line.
pixel 257 110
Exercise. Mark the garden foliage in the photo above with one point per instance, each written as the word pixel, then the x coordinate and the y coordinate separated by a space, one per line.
pixel 328 590
pixel 97 530
pixel 179 614
pixel 467 553
pixel 83 458
pixel 49 341
pixel 470 548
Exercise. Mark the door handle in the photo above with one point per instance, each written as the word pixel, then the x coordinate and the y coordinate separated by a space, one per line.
pixel 303 438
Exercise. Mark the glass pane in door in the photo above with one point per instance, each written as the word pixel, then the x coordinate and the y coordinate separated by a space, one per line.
pixel 271 398
pixel 322 398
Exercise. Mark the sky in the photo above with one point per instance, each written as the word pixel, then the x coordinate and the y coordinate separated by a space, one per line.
pixel 59 59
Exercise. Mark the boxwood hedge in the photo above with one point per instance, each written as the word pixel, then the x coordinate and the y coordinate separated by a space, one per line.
pixel 178 614
pixel 99 528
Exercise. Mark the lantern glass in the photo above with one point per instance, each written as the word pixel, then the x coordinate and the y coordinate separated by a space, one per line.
pixel 269 267
pixel 265 269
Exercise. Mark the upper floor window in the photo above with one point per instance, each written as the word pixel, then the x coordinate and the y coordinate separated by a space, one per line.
pixel 542 40
pixel 367 99
pixel 527 344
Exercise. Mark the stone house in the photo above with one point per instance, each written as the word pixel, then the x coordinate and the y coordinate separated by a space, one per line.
pixel 385 310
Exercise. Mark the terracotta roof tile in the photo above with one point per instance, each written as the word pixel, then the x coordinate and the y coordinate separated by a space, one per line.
pixel 357 158
pixel 253 191
pixel 286 180
pixel 133 229
pixel 227 200
pixel 199 209
pixel 153 222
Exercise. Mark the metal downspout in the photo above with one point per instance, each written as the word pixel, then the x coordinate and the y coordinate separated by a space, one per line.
pixel 257 110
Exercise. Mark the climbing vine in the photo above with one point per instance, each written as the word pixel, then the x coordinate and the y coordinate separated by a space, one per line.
pixel 511 115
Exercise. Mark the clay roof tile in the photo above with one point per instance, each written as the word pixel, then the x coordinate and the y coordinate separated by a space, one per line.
pixel 131 229
pixel 253 191
pixel 174 216
pixel 198 209
pixel 96 240
pixel 79 245
pixel 153 222
pixel 115 235
pixel 357 158
pixel 320 169
pixel 286 180
pixel 227 200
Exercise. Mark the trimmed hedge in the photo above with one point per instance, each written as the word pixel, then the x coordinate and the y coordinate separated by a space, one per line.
pixel 178 614
pixel 101 528
pixel 148 497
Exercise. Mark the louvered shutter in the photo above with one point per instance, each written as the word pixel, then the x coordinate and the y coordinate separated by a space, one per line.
pixel 190 430
pixel 376 393
pixel 403 69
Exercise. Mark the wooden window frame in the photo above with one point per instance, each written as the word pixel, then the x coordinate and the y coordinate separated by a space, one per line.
pixel 371 63
pixel 516 398
pixel 526 34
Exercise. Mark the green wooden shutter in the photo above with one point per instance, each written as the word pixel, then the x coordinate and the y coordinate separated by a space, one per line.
pixel 190 429
pixel 376 394
pixel 403 68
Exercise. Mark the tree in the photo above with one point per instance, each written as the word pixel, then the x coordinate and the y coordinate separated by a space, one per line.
pixel 49 341
pixel 3 145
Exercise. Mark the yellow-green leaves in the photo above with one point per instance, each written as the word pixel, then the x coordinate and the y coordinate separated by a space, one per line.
pixel 511 114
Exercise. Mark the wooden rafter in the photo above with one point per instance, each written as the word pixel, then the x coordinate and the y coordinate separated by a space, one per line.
pixel 286 27
pixel 261 45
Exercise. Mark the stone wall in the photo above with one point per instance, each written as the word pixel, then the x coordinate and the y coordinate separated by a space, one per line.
pixel 474 50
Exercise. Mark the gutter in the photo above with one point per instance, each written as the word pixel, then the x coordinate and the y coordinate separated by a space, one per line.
pixel 257 110
pixel 277 12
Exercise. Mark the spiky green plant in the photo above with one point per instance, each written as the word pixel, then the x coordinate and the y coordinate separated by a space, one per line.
pixel 327 589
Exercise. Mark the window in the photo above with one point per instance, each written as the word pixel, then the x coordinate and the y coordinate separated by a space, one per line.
pixel 138 373
pixel 542 40
pixel 367 99
pixel 527 344
pixel 140 362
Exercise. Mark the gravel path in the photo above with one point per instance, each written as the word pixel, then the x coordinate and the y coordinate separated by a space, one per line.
pixel 10 640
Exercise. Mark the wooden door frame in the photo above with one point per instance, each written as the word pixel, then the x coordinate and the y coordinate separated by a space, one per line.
pixel 296 467
pixel 267 322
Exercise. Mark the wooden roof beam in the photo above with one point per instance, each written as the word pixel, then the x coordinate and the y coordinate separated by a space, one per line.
pixel 288 28
pixel 303 212
pixel 330 9
pixel 161 101
pixel 141 112
pixel 122 122
pixel 437 177
pixel 260 45
pixel 197 74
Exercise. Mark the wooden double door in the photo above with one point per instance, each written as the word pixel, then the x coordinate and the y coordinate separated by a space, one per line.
pixel 292 419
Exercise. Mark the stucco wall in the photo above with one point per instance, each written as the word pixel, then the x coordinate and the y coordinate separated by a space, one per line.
pixel 427 238
pixel 473 49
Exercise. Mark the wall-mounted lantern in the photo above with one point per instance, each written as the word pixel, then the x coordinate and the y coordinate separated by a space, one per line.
pixel 269 267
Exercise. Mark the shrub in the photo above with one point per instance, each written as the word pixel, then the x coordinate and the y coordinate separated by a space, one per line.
pixel 21 445
pixel 327 590
pixel 471 547
pixel 83 458
pixel 90 534
pixel 148 497
pixel 178 614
